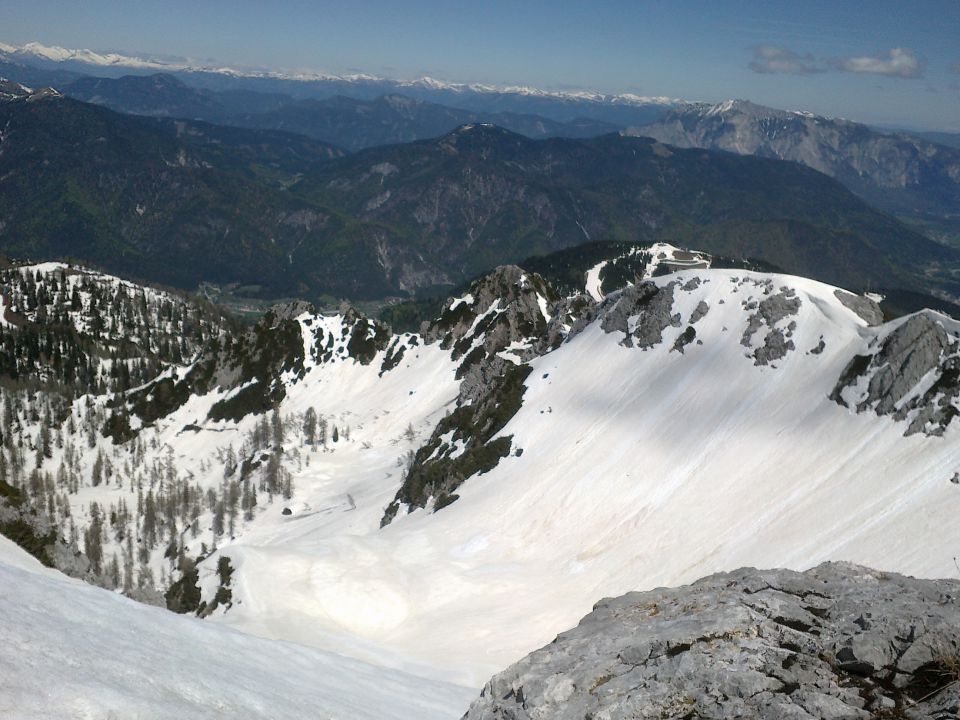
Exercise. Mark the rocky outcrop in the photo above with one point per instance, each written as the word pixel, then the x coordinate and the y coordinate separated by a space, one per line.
pixel 771 312
pixel 868 310
pixel 32 530
pixel 504 311
pixel 642 313
pixel 838 641
pixel 10 90
pixel 699 312
pixel 505 319
pixel 913 375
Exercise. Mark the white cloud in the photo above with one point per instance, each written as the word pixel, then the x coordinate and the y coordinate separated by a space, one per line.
pixel 770 59
pixel 897 62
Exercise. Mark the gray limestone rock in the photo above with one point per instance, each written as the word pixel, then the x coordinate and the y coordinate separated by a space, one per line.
pixel 914 376
pixel 866 308
pixel 775 308
pixel 684 339
pixel 838 641
pixel 295 308
pixel 641 312
pixel 699 312
pixel 770 311
pixel 775 346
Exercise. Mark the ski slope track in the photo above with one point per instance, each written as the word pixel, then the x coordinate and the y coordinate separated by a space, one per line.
pixel 683 426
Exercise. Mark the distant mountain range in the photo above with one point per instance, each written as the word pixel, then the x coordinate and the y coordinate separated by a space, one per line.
pixel 913 175
pixel 184 202
pixel 347 122
pixel 34 63
pixel 899 173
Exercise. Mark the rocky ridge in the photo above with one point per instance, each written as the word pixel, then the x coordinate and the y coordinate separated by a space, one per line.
pixel 510 317
pixel 913 375
pixel 505 319
pixel 838 641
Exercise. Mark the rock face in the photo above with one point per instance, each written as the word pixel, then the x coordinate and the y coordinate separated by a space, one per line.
pixel 770 311
pixel 914 376
pixel 642 312
pixel 838 641
pixel 507 318
pixel 863 306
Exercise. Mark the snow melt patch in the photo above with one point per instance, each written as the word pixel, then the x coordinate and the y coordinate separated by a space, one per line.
pixel 593 281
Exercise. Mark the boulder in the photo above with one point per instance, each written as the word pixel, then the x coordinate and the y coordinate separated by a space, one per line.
pixel 837 641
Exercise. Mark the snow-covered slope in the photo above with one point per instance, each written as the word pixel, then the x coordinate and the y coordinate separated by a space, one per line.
pixel 70 650
pixel 680 427
pixel 639 468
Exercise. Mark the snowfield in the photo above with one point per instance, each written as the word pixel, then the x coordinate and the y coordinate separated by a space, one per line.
pixel 70 650
pixel 639 468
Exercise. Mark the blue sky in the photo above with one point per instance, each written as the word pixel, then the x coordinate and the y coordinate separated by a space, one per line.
pixel 881 62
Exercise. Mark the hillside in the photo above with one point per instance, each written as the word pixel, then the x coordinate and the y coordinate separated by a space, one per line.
pixel 900 173
pixel 175 203
pixel 71 650
pixel 482 195
pixel 277 215
pixel 346 122
pixel 444 502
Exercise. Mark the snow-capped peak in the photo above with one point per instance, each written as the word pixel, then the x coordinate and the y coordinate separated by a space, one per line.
pixel 748 109
pixel 57 54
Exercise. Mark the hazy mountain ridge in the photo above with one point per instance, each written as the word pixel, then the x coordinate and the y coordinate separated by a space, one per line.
pixel 347 122
pixel 899 173
pixel 52 65
pixel 188 202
